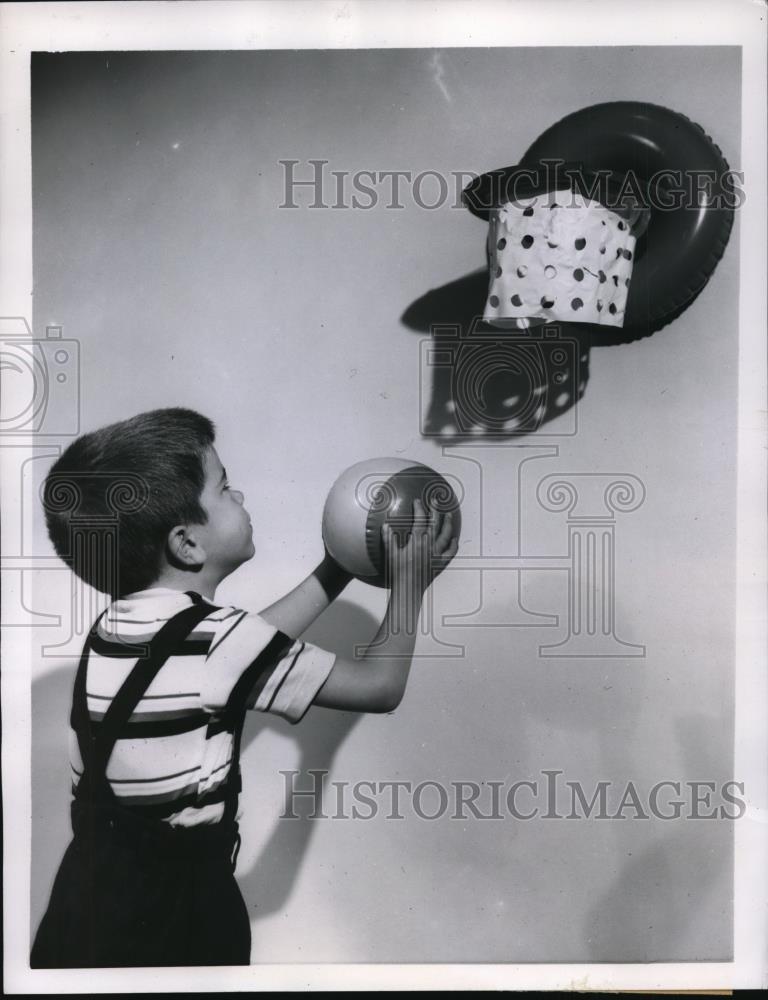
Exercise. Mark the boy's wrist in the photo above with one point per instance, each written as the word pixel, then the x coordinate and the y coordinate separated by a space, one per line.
pixel 332 577
pixel 409 589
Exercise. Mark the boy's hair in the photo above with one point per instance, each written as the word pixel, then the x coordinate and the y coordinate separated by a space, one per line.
pixel 114 494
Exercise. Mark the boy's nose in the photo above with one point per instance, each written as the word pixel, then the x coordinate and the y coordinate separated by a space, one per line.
pixel 240 497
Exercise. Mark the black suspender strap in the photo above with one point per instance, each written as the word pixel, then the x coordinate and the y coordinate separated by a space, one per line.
pixel 96 749
pixel 79 718
pixel 252 681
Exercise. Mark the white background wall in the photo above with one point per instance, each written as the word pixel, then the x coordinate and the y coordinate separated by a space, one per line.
pixel 160 247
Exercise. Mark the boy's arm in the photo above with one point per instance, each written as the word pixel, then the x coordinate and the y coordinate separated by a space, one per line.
pixel 377 682
pixel 295 612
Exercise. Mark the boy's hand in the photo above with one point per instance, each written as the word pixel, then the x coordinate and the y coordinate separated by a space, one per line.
pixel 410 568
pixel 333 578
pixel 428 549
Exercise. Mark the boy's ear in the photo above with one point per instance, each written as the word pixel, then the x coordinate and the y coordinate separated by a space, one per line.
pixel 184 547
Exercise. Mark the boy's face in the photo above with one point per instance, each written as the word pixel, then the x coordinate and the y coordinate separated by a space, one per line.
pixel 228 535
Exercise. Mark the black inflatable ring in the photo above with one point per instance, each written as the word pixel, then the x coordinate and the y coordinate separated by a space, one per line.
pixel 690 220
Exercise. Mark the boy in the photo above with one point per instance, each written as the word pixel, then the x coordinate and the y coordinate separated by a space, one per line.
pixel 163 685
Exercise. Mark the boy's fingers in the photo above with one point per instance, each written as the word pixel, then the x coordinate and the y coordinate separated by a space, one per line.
pixel 389 538
pixel 446 530
pixel 420 522
pixel 451 551
pixel 435 523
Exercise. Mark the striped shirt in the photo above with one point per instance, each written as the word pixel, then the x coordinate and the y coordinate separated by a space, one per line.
pixel 176 752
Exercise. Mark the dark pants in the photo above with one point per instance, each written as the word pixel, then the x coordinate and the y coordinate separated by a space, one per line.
pixel 125 897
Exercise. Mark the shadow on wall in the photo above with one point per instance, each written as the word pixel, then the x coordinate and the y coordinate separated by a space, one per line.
pixel 318 737
pixel 268 884
pixel 657 908
pixel 51 831
pixel 665 886
pixel 483 382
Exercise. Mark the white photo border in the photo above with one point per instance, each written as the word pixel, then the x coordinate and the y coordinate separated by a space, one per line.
pixel 272 24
